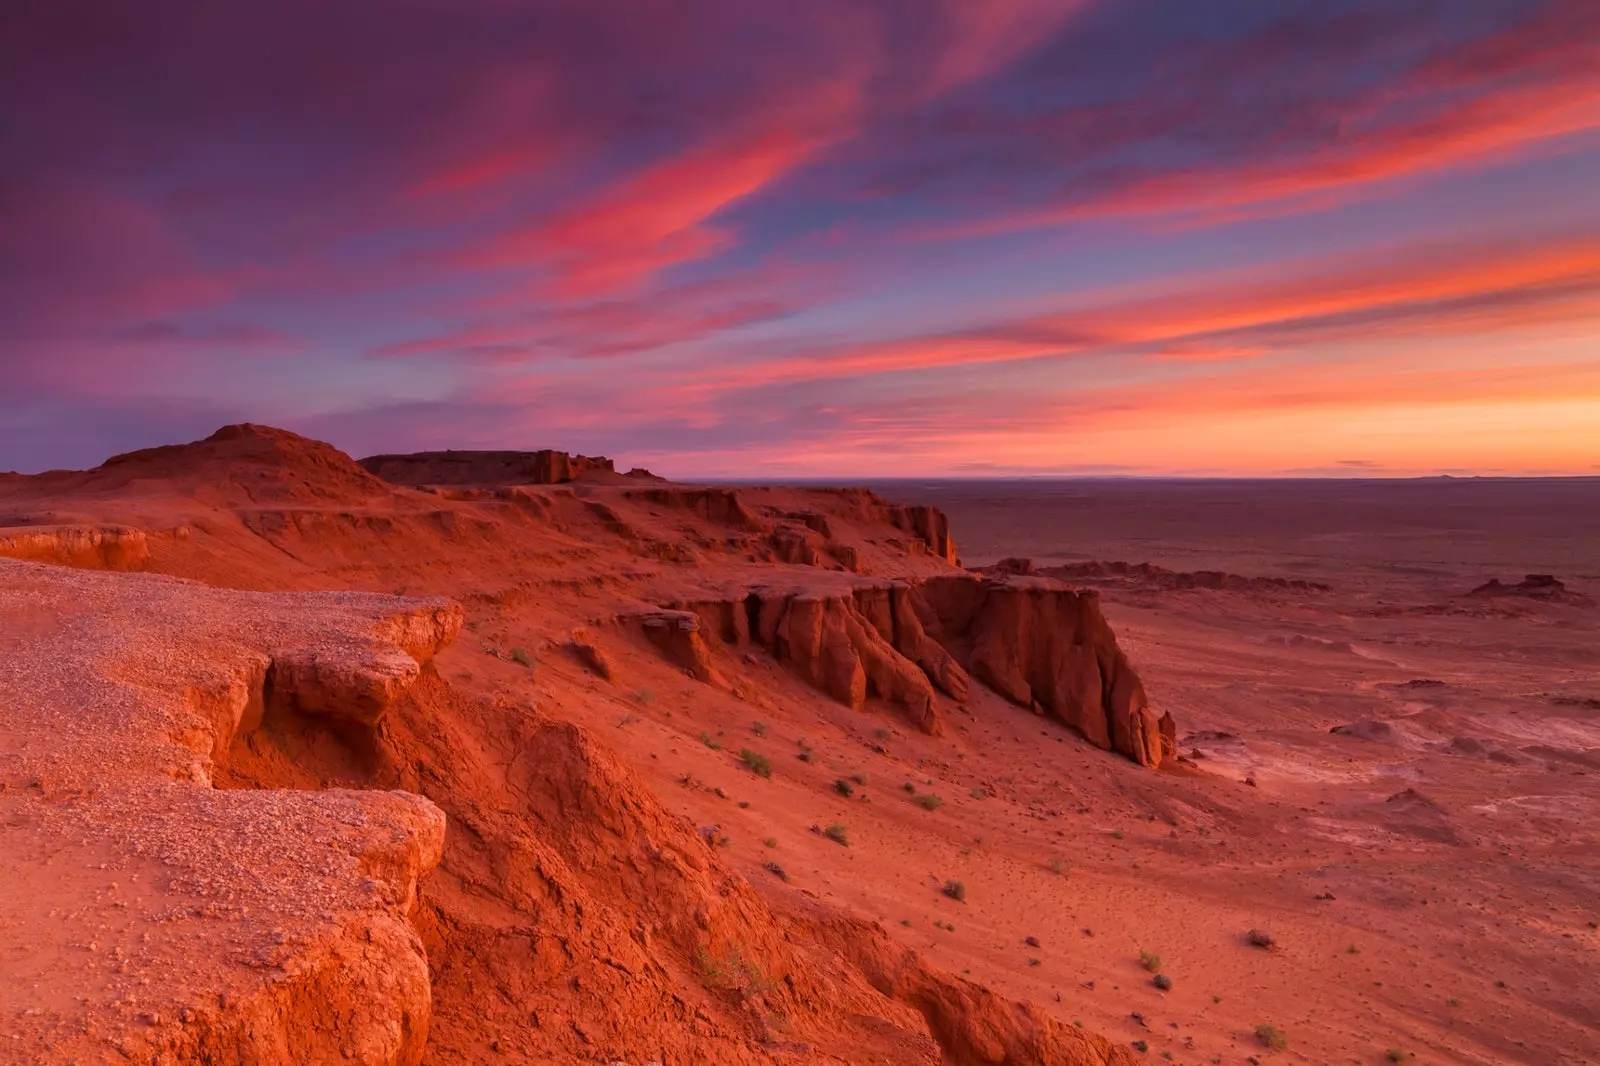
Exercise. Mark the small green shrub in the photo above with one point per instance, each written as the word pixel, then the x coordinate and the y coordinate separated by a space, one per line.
pixel 1272 1037
pixel 770 842
pixel 838 834
pixel 1395 1054
pixel 909 787
pixel 1162 981
pixel 522 657
pixel 844 788
pixel 755 762
pixel 705 738
pixel 955 890
pixel 775 870
pixel 758 728
pixel 1149 962
pixel 1260 938
pixel 928 801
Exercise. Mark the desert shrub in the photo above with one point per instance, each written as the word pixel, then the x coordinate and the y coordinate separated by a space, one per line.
pixel 844 788
pixel 775 870
pixel 756 762
pixel 770 842
pixel 1140 1045
pixel 1260 938
pixel 859 779
pixel 522 657
pixel 979 793
pixel 734 970
pixel 1395 1054
pixel 838 834
pixel 1149 962
pixel 928 801
pixel 758 728
pixel 1162 981
pixel 1057 867
pixel 955 890
pixel 644 695
pixel 804 756
pixel 705 738
pixel 909 787
pixel 1272 1037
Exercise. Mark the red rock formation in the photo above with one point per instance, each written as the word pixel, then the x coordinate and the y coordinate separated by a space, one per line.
pixel 928 523
pixel 793 545
pixel 593 657
pixel 677 634
pixel 267 927
pixel 91 547
pixel 721 506
pixel 543 467
pixel 1038 642
pixel 1535 587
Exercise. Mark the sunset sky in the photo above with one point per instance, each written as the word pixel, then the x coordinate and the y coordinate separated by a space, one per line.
pixel 749 238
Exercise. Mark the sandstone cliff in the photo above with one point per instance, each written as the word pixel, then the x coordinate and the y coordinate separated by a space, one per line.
pixel 543 467
pixel 1035 641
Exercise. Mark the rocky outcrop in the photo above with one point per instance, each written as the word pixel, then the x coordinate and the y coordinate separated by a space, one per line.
pixel 594 658
pixel 356 679
pixel 1035 641
pixel 677 635
pixel 928 523
pixel 202 924
pixel 91 547
pixel 1545 587
pixel 723 507
pixel 1046 645
pixel 544 467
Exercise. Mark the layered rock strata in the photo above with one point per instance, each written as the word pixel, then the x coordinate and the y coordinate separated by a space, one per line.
pixel 167 920
pixel 1035 641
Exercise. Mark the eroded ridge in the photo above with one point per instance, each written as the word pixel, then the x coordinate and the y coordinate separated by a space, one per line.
pixel 151 915
pixel 1036 641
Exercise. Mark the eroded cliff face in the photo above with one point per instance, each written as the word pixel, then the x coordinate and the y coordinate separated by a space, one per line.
pixel 1046 645
pixel 160 918
pixel 1038 642
pixel 544 467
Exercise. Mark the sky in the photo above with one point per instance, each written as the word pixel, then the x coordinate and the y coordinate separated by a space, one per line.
pixel 839 238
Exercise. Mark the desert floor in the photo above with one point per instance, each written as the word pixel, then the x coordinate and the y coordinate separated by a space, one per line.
pixel 1429 876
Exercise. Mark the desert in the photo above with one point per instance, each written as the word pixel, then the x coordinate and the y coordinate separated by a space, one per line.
pixel 770 533
pixel 548 763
